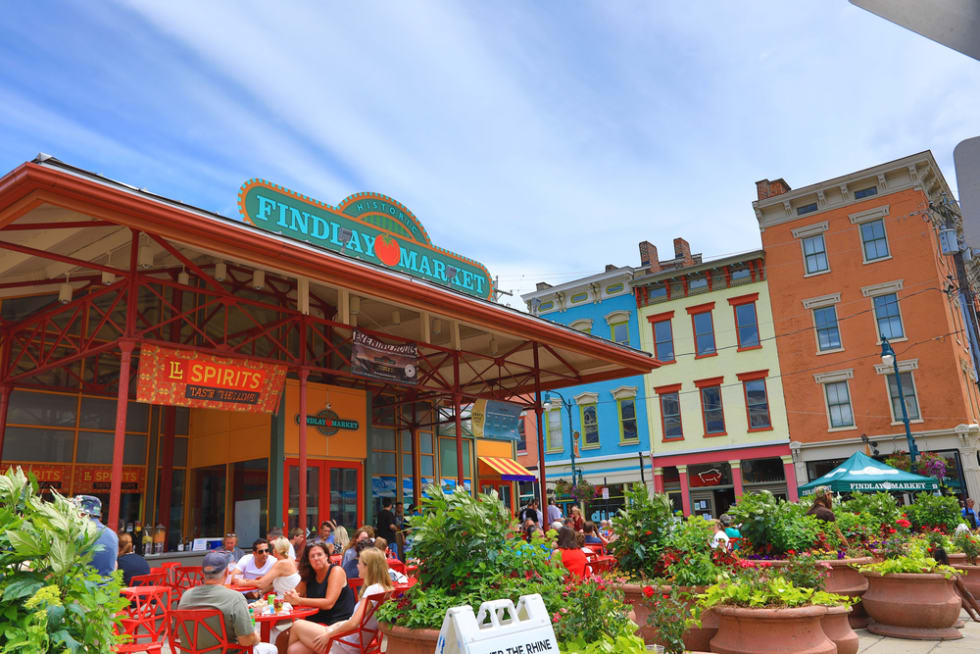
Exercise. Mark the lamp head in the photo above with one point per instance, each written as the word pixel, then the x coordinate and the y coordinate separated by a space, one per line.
pixel 887 353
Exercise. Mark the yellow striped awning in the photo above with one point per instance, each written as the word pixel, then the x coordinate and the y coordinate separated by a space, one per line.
pixel 508 469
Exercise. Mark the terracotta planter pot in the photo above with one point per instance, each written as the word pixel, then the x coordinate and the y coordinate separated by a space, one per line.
pixel 916 606
pixel 844 579
pixel 410 641
pixel 971 577
pixel 957 559
pixel 835 624
pixel 698 638
pixel 771 631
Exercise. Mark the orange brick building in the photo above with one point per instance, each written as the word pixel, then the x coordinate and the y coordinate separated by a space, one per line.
pixel 852 259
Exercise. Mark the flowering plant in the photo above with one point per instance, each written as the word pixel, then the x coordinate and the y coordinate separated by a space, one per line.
pixel 688 558
pixel 914 563
pixel 766 587
pixel 774 526
pixel 928 511
pixel 592 610
pixel 671 614
pixel 641 527
pixel 806 570
pixel 969 544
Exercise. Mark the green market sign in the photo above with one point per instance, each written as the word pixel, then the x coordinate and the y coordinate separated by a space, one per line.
pixel 329 423
pixel 367 226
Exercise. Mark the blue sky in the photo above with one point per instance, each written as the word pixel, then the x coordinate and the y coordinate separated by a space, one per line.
pixel 545 139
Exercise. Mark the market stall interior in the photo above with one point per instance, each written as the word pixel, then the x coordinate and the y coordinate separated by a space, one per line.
pixel 225 332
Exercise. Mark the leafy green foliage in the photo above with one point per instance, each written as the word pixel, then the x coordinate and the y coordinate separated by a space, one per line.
pixel 881 507
pixel 51 599
pixel 622 644
pixel 915 562
pixel 928 511
pixel 671 614
pixel 641 527
pixel 775 526
pixel 591 611
pixel 688 558
pixel 969 544
pixel 765 587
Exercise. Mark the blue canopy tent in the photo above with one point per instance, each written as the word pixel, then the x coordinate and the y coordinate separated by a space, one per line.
pixel 862 474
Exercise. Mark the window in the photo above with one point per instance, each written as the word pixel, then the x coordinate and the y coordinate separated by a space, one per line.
pixel 711 410
pixel 657 292
pixel 806 208
pixel 670 411
pixel 865 192
pixel 839 404
pixel 874 240
pixel 746 320
pixel 522 433
pixel 815 255
pixel 663 336
pixel 704 329
pixel 908 392
pixel 627 421
pixel 828 334
pixel 590 426
pixel 698 284
pixel 620 333
pixel 740 275
pixel 555 430
pixel 888 317
pixel 756 399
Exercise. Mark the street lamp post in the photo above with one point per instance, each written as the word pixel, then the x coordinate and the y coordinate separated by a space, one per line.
pixel 568 407
pixel 888 358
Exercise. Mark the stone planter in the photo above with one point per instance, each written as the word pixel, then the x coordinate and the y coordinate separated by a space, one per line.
pixel 971 577
pixel 835 624
pixel 917 606
pixel 695 639
pixel 844 579
pixel 409 641
pixel 771 631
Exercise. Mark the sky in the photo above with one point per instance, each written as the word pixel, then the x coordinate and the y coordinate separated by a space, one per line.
pixel 545 139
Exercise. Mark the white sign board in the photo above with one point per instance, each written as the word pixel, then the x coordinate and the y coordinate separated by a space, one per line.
pixel 500 628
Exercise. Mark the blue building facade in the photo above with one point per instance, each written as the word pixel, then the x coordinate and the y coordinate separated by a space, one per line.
pixel 612 448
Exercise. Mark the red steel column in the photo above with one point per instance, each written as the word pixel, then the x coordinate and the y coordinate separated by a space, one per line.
pixel 119 443
pixel 457 400
pixel 792 491
pixel 303 520
pixel 737 478
pixel 658 480
pixel 5 391
pixel 537 412
pixel 167 466
pixel 685 490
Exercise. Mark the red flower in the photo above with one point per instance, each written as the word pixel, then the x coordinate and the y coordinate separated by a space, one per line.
pixel 648 533
pixel 791 552
pixel 648 591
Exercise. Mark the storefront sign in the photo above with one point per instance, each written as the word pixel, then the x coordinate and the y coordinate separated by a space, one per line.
pixel 92 480
pixel 329 423
pixel 57 477
pixel 190 378
pixel 366 226
pixel 496 420
pixel 370 357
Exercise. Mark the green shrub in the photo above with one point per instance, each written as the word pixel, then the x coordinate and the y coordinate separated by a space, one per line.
pixel 928 511
pixel 688 558
pixel 879 506
pixel 641 528
pixel 913 563
pixel 766 588
pixel 774 526
pixel 51 599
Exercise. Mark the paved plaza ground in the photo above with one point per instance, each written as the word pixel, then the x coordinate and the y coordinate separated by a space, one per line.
pixel 873 644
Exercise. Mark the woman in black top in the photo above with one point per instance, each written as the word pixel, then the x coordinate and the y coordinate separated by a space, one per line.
pixel 323 586
pixel 823 509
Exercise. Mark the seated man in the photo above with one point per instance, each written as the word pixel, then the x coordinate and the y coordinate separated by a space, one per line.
pixel 213 595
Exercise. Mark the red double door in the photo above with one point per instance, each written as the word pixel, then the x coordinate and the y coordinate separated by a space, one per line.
pixel 334 491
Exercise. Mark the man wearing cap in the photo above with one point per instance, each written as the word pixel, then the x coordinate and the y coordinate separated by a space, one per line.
pixel 214 595
pixel 107 545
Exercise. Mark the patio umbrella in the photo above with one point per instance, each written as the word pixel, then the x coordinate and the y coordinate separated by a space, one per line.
pixel 862 474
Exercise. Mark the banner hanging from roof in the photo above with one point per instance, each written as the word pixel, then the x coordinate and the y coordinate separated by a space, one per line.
pixel 190 378
pixel 370 357
pixel 496 420
pixel 367 226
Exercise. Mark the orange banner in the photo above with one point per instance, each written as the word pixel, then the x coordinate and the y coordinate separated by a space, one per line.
pixel 53 476
pixel 91 480
pixel 190 378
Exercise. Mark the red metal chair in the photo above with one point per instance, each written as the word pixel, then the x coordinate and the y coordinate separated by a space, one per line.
pixel 354 583
pixel 145 619
pixel 187 577
pixel 397 566
pixel 153 578
pixel 191 628
pixel 370 636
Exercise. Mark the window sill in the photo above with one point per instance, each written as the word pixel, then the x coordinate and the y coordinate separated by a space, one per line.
pixel 636 442
pixel 833 351
pixel 894 340
pixel 558 451
pixel 751 347
pixel 665 363
pixel 755 429
pixel 590 447
pixel 819 272
pixel 721 433
pixel 847 428
pixel 705 356
pixel 896 423
pixel 673 439
pixel 867 261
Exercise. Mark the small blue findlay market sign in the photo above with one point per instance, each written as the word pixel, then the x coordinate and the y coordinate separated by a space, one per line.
pixel 366 226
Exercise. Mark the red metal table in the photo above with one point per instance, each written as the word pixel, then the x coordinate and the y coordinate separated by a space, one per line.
pixel 266 620
pixel 242 588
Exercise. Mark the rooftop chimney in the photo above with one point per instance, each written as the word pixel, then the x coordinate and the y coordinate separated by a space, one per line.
pixel 682 250
pixel 766 189
pixel 648 256
pixel 540 286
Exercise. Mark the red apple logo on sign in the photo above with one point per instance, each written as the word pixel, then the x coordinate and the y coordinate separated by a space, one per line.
pixel 387 250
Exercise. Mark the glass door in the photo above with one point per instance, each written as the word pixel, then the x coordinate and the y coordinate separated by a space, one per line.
pixel 333 490
pixel 313 495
